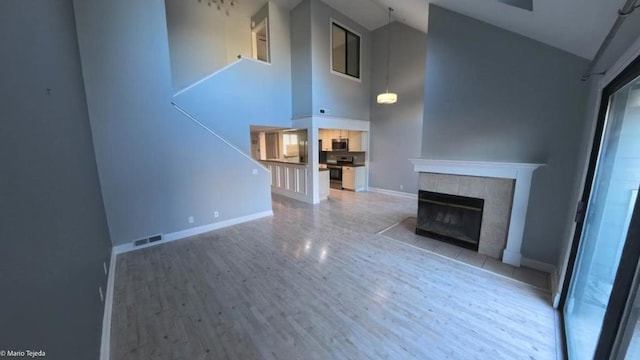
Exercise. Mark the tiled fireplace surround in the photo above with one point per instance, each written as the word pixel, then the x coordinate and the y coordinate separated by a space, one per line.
pixel 498 196
pixel 503 186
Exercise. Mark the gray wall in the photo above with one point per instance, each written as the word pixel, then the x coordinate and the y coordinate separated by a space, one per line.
pixel 52 222
pixel 156 167
pixel 195 55
pixel 301 72
pixel 492 95
pixel 249 92
pixel 396 130
pixel 340 96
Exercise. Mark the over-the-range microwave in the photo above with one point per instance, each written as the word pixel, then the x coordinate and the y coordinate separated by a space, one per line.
pixel 340 144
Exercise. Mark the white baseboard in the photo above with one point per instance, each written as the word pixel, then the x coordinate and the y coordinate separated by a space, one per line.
pixel 193 231
pixel 394 193
pixel 549 269
pixel 105 343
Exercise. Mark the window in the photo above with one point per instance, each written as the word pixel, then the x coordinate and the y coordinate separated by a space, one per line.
pixel 345 51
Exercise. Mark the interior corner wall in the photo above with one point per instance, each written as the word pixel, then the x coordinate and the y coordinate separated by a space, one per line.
pixel 339 96
pixel 301 67
pixel 492 95
pixel 249 92
pixel 396 130
pixel 194 56
pixel 157 168
pixel 53 227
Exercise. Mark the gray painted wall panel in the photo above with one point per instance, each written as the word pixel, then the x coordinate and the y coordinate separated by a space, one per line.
pixel 156 167
pixel 341 96
pixel 396 130
pixel 52 221
pixel 301 66
pixel 492 95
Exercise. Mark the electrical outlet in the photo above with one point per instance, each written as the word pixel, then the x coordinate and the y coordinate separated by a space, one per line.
pixel 190 219
pixel 254 171
pixel 401 187
pixel 104 265
pixel 216 214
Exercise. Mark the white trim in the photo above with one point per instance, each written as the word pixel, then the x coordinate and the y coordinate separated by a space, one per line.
pixel 330 122
pixel 346 76
pixel 393 193
pixel 183 234
pixel 520 172
pixel 202 125
pixel 189 87
pixel 105 343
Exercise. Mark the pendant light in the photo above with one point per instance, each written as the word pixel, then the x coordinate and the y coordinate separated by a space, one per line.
pixel 388 97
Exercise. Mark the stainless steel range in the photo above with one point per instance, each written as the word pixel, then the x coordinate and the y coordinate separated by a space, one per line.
pixel 335 170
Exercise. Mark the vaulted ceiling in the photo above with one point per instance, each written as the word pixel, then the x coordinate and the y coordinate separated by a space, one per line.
pixel 576 26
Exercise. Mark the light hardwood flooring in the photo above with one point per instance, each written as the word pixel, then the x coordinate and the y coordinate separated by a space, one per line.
pixel 317 282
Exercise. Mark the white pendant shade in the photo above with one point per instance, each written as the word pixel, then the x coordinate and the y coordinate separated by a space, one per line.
pixel 387 98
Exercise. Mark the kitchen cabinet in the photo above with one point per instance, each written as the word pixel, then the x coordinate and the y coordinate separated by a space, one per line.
pixel 355 140
pixel 353 177
pixel 325 136
pixel 323 178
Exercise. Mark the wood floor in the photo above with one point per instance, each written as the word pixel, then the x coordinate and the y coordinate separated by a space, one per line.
pixel 316 282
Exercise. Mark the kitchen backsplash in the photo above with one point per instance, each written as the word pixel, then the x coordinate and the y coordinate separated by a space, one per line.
pixel 359 157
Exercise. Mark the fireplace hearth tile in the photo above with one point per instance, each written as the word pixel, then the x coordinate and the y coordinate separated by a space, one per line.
pixel 498 267
pixel 531 276
pixel 447 250
pixel 471 258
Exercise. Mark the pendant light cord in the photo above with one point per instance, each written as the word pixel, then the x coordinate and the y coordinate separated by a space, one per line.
pixel 388 46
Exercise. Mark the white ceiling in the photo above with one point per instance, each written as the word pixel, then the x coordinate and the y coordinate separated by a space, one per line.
pixel 576 26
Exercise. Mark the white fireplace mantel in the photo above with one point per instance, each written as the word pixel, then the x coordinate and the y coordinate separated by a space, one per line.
pixel 520 172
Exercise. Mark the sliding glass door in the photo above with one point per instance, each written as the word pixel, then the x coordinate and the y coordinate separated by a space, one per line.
pixel 595 303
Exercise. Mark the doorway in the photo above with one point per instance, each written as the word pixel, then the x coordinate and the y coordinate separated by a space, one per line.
pixel 260 40
pixel 599 295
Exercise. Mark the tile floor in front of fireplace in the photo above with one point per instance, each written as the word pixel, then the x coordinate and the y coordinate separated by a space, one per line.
pixel 404 231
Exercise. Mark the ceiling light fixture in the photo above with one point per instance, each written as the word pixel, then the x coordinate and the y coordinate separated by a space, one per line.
pixel 388 97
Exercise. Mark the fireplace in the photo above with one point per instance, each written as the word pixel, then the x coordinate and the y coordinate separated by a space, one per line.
pixel 451 218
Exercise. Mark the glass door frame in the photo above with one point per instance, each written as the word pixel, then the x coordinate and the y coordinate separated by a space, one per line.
pixel 631 251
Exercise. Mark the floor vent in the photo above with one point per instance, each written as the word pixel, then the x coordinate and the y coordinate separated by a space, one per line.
pixel 140 242
pixel 147 240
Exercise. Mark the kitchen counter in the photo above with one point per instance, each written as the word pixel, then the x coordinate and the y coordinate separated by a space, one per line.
pixel 284 162
pixel 321 169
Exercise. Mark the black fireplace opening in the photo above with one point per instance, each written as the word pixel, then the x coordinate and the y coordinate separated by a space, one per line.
pixel 450 218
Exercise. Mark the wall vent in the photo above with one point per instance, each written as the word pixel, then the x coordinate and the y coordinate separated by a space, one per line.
pixel 147 240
